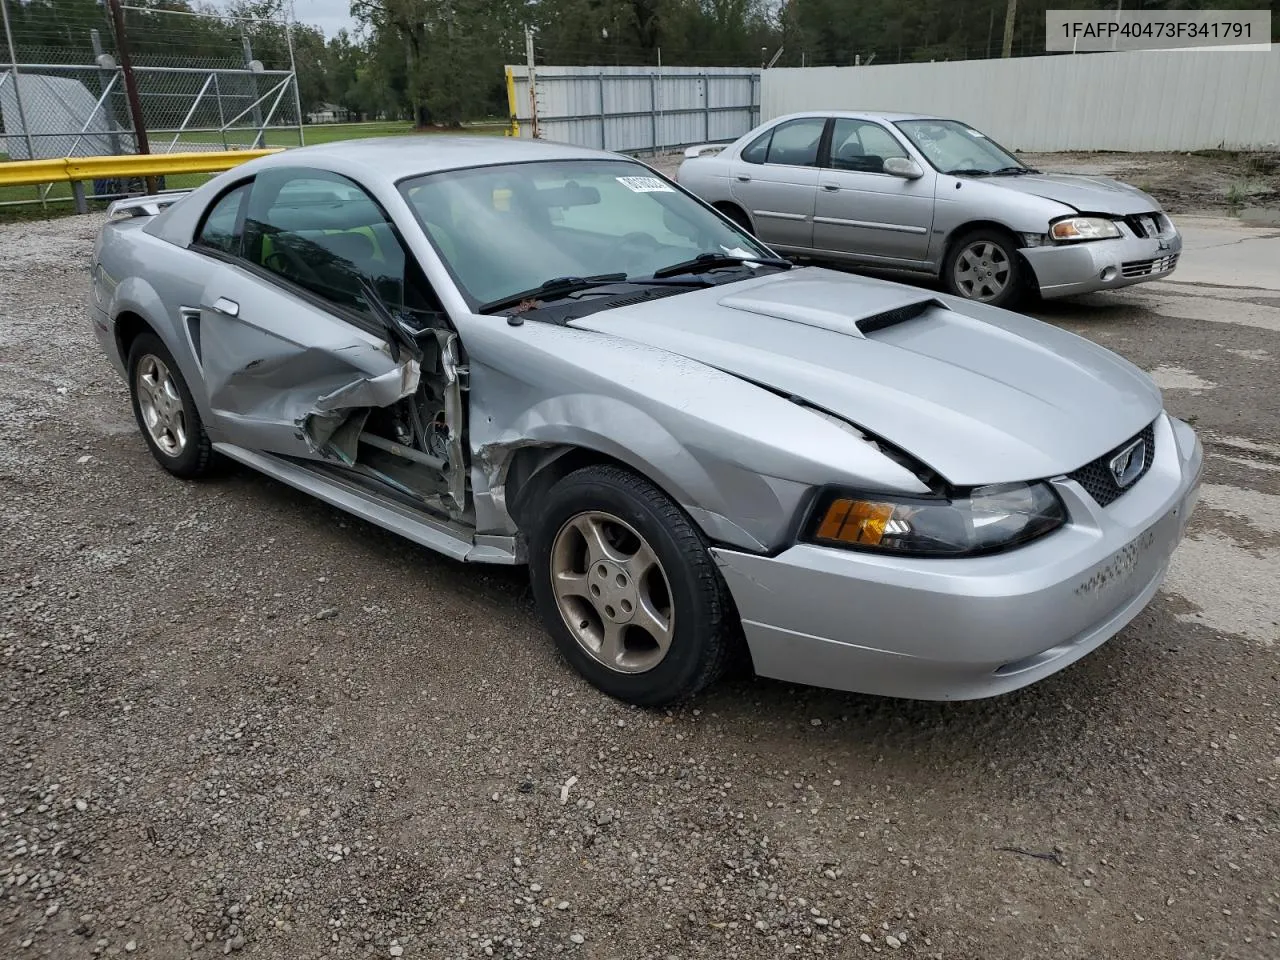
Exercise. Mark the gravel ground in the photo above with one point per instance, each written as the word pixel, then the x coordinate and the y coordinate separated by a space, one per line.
pixel 239 722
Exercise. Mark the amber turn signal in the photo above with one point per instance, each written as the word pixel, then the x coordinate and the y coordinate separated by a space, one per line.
pixel 855 521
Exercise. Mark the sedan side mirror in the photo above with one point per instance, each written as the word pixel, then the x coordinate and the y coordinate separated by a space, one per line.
pixel 903 167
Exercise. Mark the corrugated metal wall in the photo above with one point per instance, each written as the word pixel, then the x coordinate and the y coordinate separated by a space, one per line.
pixel 1142 100
pixel 639 109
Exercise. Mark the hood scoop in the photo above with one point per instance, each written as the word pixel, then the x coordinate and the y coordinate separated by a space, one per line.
pixel 828 305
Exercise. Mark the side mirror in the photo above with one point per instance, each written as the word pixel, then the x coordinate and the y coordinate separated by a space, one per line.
pixel 903 167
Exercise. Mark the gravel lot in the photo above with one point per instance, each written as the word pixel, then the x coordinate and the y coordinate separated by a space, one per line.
pixel 239 722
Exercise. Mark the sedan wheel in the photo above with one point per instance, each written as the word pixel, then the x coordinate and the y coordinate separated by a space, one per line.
pixel 166 414
pixel 626 585
pixel 983 266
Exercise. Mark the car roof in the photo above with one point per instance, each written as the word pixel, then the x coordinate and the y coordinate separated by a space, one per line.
pixel 394 158
pixel 860 115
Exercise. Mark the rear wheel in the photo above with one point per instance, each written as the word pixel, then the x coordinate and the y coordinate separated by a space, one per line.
pixel 166 414
pixel 626 586
pixel 984 266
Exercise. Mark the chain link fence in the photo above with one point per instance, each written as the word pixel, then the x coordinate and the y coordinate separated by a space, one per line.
pixel 69 99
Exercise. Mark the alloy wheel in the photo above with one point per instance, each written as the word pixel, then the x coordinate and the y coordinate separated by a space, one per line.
pixel 612 591
pixel 163 413
pixel 982 271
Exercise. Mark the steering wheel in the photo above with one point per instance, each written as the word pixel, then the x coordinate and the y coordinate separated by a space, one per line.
pixel 633 246
pixel 294 265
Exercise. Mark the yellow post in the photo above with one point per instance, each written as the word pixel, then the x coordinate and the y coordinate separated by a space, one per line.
pixel 514 129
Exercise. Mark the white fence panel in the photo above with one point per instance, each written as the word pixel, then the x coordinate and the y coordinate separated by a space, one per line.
pixel 638 109
pixel 1140 100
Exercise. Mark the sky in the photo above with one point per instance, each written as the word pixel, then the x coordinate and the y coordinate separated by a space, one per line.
pixel 329 15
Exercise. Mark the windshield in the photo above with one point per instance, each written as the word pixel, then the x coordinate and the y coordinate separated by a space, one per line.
pixel 954 147
pixel 511 228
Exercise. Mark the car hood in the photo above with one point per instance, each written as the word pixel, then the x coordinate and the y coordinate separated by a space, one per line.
pixel 980 395
pixel 1085 194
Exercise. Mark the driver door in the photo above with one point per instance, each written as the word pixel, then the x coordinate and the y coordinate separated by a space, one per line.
pixel 282 333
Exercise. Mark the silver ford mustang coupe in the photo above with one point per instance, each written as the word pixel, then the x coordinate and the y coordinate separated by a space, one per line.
pixel 516 352
pixel 936 197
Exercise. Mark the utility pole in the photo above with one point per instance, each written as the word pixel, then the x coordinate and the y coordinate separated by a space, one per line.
pixel 533 80
pixel 1010 14
pixel 130 85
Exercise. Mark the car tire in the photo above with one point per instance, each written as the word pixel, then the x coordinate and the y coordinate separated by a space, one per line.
pixel 737 215
pixel 649 567
pixel 166 413
pixel 984 265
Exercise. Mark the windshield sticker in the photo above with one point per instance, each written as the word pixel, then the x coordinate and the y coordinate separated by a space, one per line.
pixel 644 185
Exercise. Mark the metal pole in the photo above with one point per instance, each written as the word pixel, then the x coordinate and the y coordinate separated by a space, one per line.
pixel 662 87
pixel 604 138
pixel 293 65
pixel 533 80
pixel 17 84
pixel 253 78
pixel 131 86
pixel 653 112
pixel 107 79
pixel 706 106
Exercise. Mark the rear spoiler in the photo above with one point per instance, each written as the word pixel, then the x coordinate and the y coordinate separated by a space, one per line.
pixel 147 206
pixel 692 153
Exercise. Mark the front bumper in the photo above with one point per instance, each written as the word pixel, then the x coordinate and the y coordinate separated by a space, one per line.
pixel 958 629
pixel 1063 270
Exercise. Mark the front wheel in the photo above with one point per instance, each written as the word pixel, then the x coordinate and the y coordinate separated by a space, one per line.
pixel 984 266
pixel 627 587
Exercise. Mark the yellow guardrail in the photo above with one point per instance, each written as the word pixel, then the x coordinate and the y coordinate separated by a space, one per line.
pixel 16 173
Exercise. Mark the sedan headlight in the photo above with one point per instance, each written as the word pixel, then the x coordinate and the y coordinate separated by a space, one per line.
pixel 983 520
pixel 1084 228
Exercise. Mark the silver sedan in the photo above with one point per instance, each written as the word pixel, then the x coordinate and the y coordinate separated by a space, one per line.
pixel 924 195
pixel 513 352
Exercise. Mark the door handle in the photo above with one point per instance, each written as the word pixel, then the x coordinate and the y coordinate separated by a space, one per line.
pixel 742 179
pixel 832 187
pixel 228 308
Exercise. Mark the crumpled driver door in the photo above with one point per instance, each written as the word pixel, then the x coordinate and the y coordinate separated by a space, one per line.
pixel 282 374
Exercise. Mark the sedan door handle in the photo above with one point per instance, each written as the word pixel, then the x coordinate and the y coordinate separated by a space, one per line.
pixel 833 187
pixel 743 179
pixel 228 308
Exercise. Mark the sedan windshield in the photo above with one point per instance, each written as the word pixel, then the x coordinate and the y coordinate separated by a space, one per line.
pixel 954 147
pixel 557 225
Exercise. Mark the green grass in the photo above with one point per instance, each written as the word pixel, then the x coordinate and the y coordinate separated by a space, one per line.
pixel 318 133
pixel 59 200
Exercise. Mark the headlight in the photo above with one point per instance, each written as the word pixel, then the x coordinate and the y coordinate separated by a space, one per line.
pixel 1084 228
pixel 984 520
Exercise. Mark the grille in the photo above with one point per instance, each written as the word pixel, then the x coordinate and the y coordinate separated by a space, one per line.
pixel 1143 268
pixel 1146 226
pixel 1096 476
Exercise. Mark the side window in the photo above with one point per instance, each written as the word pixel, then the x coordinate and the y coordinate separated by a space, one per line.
pixel 795 143
pixel 220 230
pixel 758 149
pixel 324 233
pixel 861 146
